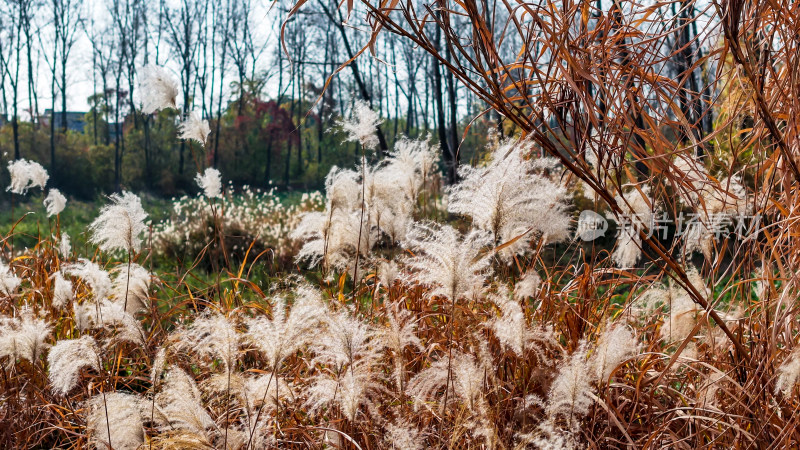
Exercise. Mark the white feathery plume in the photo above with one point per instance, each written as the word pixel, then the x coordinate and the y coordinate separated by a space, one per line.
pixel 111 316
pixel 346 340
pixel 315 229
pixel 476 291
pixel 54 202
pixel 23 338
pixel 409 164
pixel 127 328
pixel 527 286
pixel 251 394
pixel 64 246
pixel 211 336
pixel 449 263
pixel 239 437
pixel 424 386
pixel 85 315
pixel 388 207
pixel 400 333
pixel 388 272
pixel 220 383
pixel 195 127
pixel 136 283
pixel 287 331
pixel 571 394
pixel 120 224
pixel 394 222
pixel 362 126
pixel 467 383
pixel 25 175
pixel 512 330
pixel 683 310
pixel 332 236
pixel 62 291
pixel 639 213
pixel 210 181
pixel 349 389
pixel 427 157
pixel 549 436
pixel 510 327
pixel 351 349
pixel 113 421
pixel 67 358
pixel 617 344
pixel 158 366
pixel 179 405
pixel 788 374
pixel 261 391
pixel 402 435
pixel 159 89
pixel 511 199
pixel 342 189
pixel 93 275
pixel 9 282
pixel 651 299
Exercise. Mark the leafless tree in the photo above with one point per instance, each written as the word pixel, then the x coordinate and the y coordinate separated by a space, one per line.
pixel 183 24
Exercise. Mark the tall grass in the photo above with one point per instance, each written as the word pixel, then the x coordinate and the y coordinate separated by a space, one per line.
pixel 403 314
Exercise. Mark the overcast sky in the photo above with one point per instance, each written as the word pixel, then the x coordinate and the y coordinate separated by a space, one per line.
pixel 80 71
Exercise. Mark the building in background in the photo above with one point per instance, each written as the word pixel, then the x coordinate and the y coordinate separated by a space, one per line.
pixel 75 119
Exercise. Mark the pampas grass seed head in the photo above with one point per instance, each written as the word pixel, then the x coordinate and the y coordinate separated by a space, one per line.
pixel 617 344
pixel 446 261
pixel 120 224
pixel 159 89
pixel 25 175
pixel 67 358
pixel 23 338
pixel 361 127
pixel 93 276
pixel 62 291
pixel 788 374
pixel 135 282
pixel 195 127
pixel 54 202
pixel 210 182
pixel 9 282
pixel 116 413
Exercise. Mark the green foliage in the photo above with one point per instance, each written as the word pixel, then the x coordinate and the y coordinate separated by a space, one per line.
pixel 257 145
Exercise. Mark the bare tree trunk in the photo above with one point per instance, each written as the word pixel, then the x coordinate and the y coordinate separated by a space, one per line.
pixel 291 141
pixel 688 90
pixel 225 30
pixel 53 80
pixel 15 86
pixel 639 147
pixel 362 88
pixel 438 95
pixel 33 98
pixel 453 144
pixel 300 115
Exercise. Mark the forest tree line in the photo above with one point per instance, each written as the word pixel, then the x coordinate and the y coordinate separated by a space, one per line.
pixel 261 88
pixel 272 81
